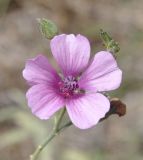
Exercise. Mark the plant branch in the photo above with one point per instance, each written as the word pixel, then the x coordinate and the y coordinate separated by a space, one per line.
pixel 55 132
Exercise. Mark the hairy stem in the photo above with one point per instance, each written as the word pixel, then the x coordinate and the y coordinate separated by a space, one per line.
pixel 55 132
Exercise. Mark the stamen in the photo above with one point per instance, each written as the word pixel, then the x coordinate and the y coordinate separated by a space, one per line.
pixel 69 87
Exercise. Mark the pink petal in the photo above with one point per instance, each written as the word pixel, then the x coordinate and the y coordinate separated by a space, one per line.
pixel 103 73
pixel 43 101
pixel 38 70
pixel 86 111
pixel 71 52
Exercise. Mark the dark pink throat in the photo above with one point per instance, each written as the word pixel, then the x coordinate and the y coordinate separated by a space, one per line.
pixel 69 87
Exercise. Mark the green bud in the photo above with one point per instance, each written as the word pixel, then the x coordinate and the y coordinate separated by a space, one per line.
pixel 105 37
pixel 47 28
pixel 113 46
pixel 110 44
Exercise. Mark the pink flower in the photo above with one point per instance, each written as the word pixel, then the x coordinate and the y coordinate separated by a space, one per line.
pixel 79 88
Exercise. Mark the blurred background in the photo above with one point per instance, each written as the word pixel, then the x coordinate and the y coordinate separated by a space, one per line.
pixel 20 39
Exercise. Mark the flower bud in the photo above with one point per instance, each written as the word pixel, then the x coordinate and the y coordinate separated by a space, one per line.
pixel 47 28
pixel 110 44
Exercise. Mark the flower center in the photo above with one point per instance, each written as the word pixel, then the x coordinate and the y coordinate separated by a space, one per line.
pixel 69 87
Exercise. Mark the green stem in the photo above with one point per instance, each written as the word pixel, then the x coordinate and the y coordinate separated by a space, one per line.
pixel 55 132
pixel 57 124
pixel 65 126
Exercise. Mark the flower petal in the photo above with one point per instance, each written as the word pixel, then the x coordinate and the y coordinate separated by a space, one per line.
pixel 71 52
pixel 103 73
pixel 38 70
pixel 86 111
pixel 43 101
